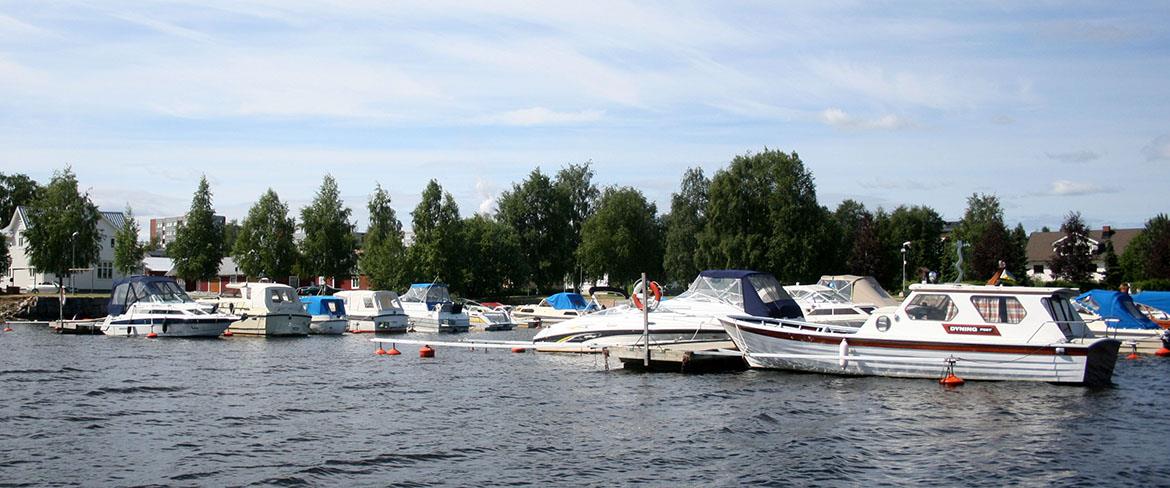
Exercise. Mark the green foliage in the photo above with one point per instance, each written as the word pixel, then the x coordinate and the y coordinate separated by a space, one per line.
pixel 5 258
pixel 128 252
pixel 1157 284
pixel 383 258
pixel 865 257
pixel 983 229
pixel 231 229
pixel 16 190
pixel 847 218
pixel 265 246
pixel 622 238
pixel 58 212
pixel 1017 259
pixel 437 250
pixel 540 215
pixel 1148 254
pixel 328 246
pixel 198 246
pixel 688 217
pixel 1113 275
pixel 575 184
pixel 922 227
pixel 763 215
pixel 1072 256
pixel 494 261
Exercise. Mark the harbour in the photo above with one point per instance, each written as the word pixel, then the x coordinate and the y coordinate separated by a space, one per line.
pixel 242 411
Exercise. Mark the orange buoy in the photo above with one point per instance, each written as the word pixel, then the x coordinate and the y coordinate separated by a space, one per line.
pixel 426 352
pixel 1163 352
pixel 1133 354
pixel 951 380
pixel 379 351
pixel 151 335
pixel 519 349
pixel 227 333
pixel 393 351
pixel 7 329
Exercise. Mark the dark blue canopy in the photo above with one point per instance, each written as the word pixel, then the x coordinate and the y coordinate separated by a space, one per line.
pixel 132 289
pixel 1155 299
pixel 567 301
pixel 762 294
pixel 324 305
pixel 1117 307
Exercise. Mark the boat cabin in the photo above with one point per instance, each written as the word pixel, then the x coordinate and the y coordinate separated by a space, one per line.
pixel 433 295
pixel 266 298
pixel 755 293
pixel 369 303
pixel 144 289
pixel 324 306
pixel 859 289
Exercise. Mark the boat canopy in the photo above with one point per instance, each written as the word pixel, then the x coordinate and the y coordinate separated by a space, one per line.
pixel 1115 305
pixel 858 289
pixel 133 289
pixel 816 294
pixel 324 305
pixel 756 293
pixel 429 293
pixel 567 301
pixel 1154 299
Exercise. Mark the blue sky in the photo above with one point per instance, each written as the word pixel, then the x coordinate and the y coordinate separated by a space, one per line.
pixel 1053 106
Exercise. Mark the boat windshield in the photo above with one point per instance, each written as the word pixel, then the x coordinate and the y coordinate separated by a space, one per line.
pixel 814 295
pixel 167 292
pixel 430 294
pixel 707 289
pixel 278 295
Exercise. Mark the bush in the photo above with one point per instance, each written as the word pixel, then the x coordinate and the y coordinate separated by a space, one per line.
pixel 1152 285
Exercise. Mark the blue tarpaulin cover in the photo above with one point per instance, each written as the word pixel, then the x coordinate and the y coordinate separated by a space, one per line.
pixel 1116 305
pixel 567 301
pixel 1156 299
pixel 322 305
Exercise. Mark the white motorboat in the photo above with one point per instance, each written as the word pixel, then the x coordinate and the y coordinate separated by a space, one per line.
pixel 430 309
pixel 265 309
pixel 691 316
pixel 376 311
pixel 326 314
pixel 982 332
pixel 144 305
pixel 488 317
pixel 556 308
pixel 824 305
pixel 1115 314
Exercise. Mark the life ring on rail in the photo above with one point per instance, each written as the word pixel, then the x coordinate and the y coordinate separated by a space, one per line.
pixel 654 289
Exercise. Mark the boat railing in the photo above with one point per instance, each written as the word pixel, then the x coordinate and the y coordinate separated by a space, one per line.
pixel 798 324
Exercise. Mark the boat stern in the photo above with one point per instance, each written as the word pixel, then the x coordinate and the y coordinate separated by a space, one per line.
pixel 1100 359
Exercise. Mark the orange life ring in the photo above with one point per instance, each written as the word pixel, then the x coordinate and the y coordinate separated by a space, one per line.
pixel 654 288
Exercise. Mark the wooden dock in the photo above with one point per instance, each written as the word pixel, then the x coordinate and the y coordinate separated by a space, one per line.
pixel 88 327
pixel 682 357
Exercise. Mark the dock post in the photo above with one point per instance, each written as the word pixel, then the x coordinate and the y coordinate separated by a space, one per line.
pixel 646 320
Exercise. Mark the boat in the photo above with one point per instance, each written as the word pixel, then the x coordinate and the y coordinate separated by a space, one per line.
pixel 326 314
pixel 607 296
pixel 556 308
pixel 1114 314
pixel 265 309
pixel 824 305
pixel 692 316
pixel 1156 306
pixel 377 311
pixel 429 308
pixel 860 290
pixel 974 332
pixel 143 305
pixel 493 317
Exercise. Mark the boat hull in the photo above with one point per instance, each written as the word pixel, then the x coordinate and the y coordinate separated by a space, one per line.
pixel 1074 363
pixel 381 324
pixel 446 325
pixel 600 339
pixel 1147 341
pixel 165 328
pixel 272 325
pixel 328 326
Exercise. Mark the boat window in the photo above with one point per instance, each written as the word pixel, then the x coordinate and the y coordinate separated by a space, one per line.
pixel 334 307
pixel 282 295
pixel 708 289
pixel 1129 308
pixel 928 306
pixel 368 302
pixel 999 310
pixel 767 288
pixel 119 297
pixel 167 292
pixel 821 311
pixel 1062 313
pixel 386 301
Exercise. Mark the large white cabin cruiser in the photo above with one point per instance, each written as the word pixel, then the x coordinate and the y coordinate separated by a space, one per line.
pixel 983 332
pixel 824 305
pixel 691 316
pixel 265 309
pixel 141 305
pixel 430 309
pixel 373 311
pixel 326 314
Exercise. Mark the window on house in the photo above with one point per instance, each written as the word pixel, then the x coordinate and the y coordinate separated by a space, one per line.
pixel 1038 269
pixel 105 270
pixel 355 282
pixel 999 310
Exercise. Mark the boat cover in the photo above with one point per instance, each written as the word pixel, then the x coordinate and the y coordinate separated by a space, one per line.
pixel 1116 305
pixel 132 289
pixel 859 289
pixel 762 294
pixel 324 305
pixel 430 293
pixel 1154 299
pixel 567 301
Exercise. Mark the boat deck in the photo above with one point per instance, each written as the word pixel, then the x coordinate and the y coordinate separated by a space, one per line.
pixel 682 357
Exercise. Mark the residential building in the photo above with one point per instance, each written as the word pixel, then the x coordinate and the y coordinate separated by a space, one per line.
pixel 97 276
pixel 165 229
pixel 1041 246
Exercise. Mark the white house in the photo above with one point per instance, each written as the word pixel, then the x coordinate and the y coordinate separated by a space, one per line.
pixel 98 276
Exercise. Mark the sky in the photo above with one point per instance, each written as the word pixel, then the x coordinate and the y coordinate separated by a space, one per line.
pixel 1052 106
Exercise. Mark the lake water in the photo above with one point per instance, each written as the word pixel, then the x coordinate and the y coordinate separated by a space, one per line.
pixel 105 411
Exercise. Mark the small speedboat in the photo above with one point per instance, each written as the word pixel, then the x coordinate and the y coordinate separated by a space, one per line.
pixel 430 309
pixel 326 314
pixel 494 317
pixel 143 305
pixel 376 311
pixel 1115 314
pixel 556 308
pixel 973 332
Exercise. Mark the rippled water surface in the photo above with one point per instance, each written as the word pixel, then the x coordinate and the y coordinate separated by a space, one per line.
pixel 105 411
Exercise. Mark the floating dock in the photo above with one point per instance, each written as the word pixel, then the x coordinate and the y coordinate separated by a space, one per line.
pixel 88 327
pixel 682 357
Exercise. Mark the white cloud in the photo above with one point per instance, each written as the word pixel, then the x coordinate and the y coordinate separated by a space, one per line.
pixel 1074 188
pixel 840 119
pixel 932 90
pixel 1158 149
pixel 543 116
pixel 1082 156
pixel 487 193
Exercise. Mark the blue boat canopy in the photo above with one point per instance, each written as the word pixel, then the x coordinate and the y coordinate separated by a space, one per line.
pixel 1117 306
pixel 133 289
pixel 567 301
pixel 1154 299
pixel 324 305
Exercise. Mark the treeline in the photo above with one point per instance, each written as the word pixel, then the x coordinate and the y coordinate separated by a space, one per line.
pixel 760 212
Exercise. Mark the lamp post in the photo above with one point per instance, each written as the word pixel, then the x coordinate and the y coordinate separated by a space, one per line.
pixel 73 259
pixel 905 249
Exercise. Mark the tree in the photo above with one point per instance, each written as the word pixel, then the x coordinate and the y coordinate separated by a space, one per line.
pixel 1148 254
pixel 5 258
pixel 922 227
pixel 495 261
pixel 865 257
pixel 983 229
pixel 763 214
pixel 383 258
pixel 1017 259
pixel 231 229
pixel 198 246
pixel 623 238
pixel 436 253
pixel 328 247
pixel 16 190
pixel 265 246
pixel 62 231
pixel 1113 274
pixel 847 217
pixel 575 183
pixel 1072 255
pixel 128 252
pixel 540 215
pixel 688 215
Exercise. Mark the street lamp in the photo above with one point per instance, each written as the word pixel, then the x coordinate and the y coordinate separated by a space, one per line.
pixel 73 260
pixel 905 249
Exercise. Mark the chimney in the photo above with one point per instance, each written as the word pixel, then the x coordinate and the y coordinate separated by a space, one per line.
pixel 1106 231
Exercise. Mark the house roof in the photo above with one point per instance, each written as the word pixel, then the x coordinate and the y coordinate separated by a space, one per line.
pixel 158 264
pixel 116 219
pixel 1040 243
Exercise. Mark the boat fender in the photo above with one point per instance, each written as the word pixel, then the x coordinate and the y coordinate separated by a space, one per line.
pixel 1165 349
pixel 654 289
pixel 843 352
